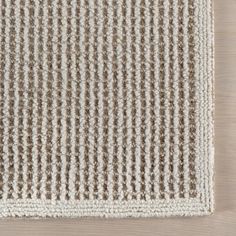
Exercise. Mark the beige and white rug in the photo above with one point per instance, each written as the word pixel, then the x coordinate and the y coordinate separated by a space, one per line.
pixel 106 108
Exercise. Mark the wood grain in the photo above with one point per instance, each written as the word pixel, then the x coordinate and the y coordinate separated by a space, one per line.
pixel 223 222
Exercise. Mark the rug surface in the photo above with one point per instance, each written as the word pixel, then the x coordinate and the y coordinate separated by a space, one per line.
pixel 106 108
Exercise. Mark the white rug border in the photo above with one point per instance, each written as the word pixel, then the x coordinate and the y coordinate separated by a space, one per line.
pixel 114 209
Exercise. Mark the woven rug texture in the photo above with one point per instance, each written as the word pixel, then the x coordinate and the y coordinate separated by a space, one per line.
pixel 106 108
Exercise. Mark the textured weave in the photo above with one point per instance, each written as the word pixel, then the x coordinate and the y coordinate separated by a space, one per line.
pixel 106 108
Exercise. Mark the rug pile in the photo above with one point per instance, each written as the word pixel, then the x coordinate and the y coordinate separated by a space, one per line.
pixel 106 108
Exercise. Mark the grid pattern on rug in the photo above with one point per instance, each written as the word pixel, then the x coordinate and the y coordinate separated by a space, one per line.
pixel 105 107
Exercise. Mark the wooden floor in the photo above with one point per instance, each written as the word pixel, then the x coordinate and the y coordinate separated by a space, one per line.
pixel 223 222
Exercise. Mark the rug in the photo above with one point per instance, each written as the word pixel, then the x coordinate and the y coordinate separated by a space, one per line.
pixel 106 108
